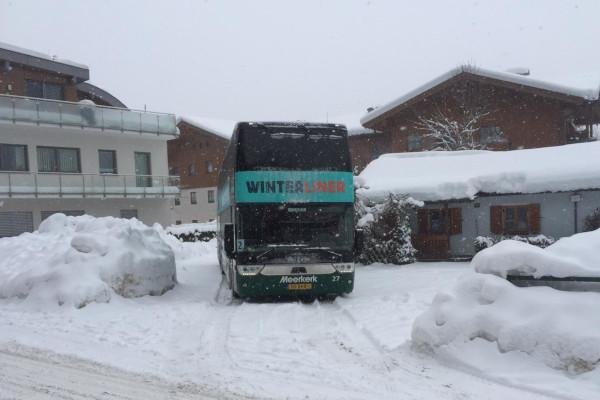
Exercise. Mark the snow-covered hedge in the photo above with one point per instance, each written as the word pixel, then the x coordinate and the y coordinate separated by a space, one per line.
pixel 196 232
pixel 557 328
pixel 576 255
pixel 78 260
pixel 484 242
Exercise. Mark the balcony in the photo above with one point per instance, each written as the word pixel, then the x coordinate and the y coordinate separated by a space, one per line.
pixel 17 109
pixel 53 185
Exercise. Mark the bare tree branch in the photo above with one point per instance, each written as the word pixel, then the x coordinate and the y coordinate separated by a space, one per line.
pixel 452 134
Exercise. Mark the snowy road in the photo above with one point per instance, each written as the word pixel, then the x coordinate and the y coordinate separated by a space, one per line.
pixel 357 347
pixel 27 373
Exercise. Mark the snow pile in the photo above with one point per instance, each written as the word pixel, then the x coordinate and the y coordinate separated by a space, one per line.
pixel 574 256
pixel 557 328
pixel 443 175
pixel 78 260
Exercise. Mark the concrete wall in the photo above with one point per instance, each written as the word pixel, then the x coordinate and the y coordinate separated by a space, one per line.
pixel 187 212
pixel 556 212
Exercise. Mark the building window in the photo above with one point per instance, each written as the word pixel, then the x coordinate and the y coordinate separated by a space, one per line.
pixel 14 223
pixel 194 221
pixel 515 220
pixel 108 161
pixel 44 90
pixel 490 135
pixel 178 222
pixel 13 157
pixel 174 171
pixel 209 167
pixel 177 201
pixel 414 142
pixel 193 199
pixel 191 170
pixel 129 213
pixel 58 159
pixel 211 196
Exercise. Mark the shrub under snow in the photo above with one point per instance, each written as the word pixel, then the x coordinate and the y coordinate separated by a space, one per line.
pixel 78 260
pixel 575 255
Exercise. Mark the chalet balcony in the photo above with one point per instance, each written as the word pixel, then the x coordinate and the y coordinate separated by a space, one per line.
pixel 66 185
pixel 84 114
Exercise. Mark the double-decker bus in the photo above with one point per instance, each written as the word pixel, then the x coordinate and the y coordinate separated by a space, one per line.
pixel 285 211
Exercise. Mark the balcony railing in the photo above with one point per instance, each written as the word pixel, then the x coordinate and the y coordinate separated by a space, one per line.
pixel 51 185
pixel 85 115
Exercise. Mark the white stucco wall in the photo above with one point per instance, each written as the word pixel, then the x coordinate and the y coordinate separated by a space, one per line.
pixel 89 141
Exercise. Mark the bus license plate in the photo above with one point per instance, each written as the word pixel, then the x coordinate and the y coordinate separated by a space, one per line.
pixel 299 286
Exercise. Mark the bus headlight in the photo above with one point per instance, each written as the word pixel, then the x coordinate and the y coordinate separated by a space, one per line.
pixel 249 269
pixel 344 267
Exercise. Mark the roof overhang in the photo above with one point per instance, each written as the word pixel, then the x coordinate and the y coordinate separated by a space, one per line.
pixel 95 91
pixel 32 59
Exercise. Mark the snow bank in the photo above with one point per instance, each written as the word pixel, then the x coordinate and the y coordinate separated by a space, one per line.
pixel 574 256
pixel 557 328
pixel 78 260
pixel 443 175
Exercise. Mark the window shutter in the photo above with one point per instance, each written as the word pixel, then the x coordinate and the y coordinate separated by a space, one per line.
pixel 422 221
pixel 533 214
pixel 496 220
pixel 455 220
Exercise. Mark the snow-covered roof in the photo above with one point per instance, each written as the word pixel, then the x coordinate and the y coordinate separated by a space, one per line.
pixel 37 54
pixel 352 123
pixel 587 94
pixel 441 175
pixel 220 127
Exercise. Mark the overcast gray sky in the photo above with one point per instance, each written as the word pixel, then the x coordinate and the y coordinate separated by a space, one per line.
pixel 277 59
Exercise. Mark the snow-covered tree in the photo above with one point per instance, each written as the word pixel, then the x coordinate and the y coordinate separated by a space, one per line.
pixel 451 133
pixel 387 231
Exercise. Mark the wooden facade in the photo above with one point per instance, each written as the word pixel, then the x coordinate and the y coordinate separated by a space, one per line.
pixel 527 117
pixel 196 156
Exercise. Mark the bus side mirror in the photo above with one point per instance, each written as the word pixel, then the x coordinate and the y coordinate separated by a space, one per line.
pixel 228 240
pixel 359 241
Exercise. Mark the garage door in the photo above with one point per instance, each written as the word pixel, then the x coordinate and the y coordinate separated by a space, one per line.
pixel 14 223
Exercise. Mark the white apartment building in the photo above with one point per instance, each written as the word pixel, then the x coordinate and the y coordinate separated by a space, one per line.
pixel 76 157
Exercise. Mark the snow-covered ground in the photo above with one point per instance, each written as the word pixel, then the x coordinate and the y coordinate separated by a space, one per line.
pixel 357 347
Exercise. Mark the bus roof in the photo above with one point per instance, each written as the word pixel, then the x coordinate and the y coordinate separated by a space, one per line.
pixel 293 124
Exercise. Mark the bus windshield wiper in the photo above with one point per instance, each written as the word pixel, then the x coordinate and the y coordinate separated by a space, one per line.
pixel 261 255
pixel 326 250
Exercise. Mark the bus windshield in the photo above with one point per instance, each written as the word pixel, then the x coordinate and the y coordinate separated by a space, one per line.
pixel 324 226
pixel 293 148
